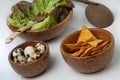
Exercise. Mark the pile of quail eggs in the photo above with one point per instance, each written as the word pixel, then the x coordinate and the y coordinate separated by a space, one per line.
pixel 28 54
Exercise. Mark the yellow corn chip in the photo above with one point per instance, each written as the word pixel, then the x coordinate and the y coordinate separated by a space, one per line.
pixel 106 46
pixel 100 46
pixel 86 52
pixel 85 35
pixel 95 42
pixel 87 44
pixel 95 52
pixel 72 47
pixel 75 54
pixel 78 53
pixel 76 46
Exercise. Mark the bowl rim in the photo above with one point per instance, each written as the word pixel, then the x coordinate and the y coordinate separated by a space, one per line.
pixel 88 57
pixel 34 61
pixel 48 29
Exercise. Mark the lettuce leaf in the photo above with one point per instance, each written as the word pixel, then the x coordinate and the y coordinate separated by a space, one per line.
pixel 24 12
pixel 48 22
pixel 46 6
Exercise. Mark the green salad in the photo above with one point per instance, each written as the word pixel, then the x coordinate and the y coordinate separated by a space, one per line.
pixel 51 12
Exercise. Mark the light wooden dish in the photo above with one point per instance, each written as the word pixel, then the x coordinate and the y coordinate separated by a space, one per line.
pixel 34 68
pixel 93 63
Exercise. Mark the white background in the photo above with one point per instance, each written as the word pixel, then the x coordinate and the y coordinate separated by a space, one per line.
pixel 58 69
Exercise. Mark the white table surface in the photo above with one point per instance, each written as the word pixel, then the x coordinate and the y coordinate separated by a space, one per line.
pixel 58 69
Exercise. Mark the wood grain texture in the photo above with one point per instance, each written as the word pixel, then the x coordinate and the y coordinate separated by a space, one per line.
pixel 34 68
pixel 89 64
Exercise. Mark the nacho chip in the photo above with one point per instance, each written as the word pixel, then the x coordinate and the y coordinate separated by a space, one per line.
pixel 86 52
pixel 87 44
pixel 99 46
pixel 95 42
pixel 76 46
pixel 72 47
pixel 86 35
pixel 75 54
pixel 106 46
pixel 78 53
pixel 95 52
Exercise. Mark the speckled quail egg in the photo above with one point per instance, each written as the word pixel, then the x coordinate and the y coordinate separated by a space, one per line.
pixel 29 51
pixel 40 47
pixel 35 56
pixel 29 60
pixel 21 59
pixel 18 51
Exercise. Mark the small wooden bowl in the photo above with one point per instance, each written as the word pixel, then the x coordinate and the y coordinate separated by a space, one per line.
pixel 34 68
pixel 93 63
pixel 46 34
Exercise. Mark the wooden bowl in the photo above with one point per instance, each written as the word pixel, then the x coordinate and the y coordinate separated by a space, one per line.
pixel 46 34
pixel 93 63
pixel 34 68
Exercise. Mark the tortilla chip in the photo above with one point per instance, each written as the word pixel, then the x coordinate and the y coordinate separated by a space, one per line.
pixel 72 47
pixel 87 44
pixel 95 42
pixel 86 52
pixel 75 54
pixel 85 35
pixel 78 53
pixel 95 52
pixel 106 46
pixel 99 46
pixel 76 46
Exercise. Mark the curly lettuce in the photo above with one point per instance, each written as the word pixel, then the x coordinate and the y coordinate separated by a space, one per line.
pixel 46 6
pixel 24 12
pixel 48 22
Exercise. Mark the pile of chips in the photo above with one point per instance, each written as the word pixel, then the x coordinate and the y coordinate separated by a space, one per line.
pixel 87 44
